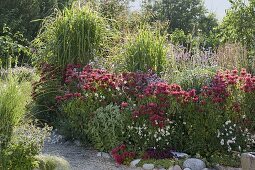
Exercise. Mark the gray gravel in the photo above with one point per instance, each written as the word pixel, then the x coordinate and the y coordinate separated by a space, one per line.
pixel 80 157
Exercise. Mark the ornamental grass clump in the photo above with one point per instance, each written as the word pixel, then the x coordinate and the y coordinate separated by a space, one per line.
pixel 146 51
pixel 74 36
pixel 13 99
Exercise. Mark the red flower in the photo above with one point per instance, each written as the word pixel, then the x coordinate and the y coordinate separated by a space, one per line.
pixel 124 104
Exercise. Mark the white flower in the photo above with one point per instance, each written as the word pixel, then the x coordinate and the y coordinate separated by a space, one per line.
pixel 227 122
pixel 239 147
pixel 218 135
pixel 222 142
pixel 230 141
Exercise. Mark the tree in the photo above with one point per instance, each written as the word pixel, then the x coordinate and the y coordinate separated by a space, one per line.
pixel 187 15
pixel 20 15
pixel 239 23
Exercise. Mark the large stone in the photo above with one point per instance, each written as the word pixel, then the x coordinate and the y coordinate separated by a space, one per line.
pixel 180 155
pixel 103 155
pixel 176 167
pixel 186 169
pixel 148 166
pixel 248 161
pixel 134 163
pixel 194 164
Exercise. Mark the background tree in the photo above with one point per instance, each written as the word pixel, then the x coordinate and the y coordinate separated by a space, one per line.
pixel 20 14
pixel 187 15
pixel 239 23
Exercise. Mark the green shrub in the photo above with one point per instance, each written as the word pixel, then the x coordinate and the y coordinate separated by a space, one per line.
pixel 26 142
pixel 74 36
pixel 146 51
pixel 13 99
pixel 107 127
pixel 13 49
pixel 73 122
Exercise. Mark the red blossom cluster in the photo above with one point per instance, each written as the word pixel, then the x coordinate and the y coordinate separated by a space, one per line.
pixel 120 154
pixel 142 87
pixel 134 83
pixel 68 96
pixel 164 94
pixel 220 88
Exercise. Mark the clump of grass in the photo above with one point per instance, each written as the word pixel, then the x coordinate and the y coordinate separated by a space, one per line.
pixel 146 51
pixel 74 35
pixel 14 96
pixel 48 162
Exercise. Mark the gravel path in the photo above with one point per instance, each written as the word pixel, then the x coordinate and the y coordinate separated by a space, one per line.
pixel 81 158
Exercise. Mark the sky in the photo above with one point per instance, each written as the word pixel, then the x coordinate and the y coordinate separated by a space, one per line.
pixel 216 6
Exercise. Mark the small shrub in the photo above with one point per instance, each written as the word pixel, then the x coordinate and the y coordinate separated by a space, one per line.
pixel 107 127
pixel 26 142
pixel 146 52
pixel 74 118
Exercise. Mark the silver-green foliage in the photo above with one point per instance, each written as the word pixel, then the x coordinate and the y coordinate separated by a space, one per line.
pixel 74 35
pixel 26 142
pixel 146 51
pixel 107 127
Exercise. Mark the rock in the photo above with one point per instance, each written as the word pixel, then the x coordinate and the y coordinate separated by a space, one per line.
pixel 248 161
pixel 77 143
pixel 162 169
pixel 99 154
pixel 176 167
pixel 148 166
pixel 103 155
pixel 186 169
pixel 134 163
pixel 180 155
pixel 208 169
pixel 194 164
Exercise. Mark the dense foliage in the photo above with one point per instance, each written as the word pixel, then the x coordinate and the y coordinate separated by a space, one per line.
pixel 20 140
pixel 113 77
pixel 20 15
pixel 14 49
pixel 162 116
